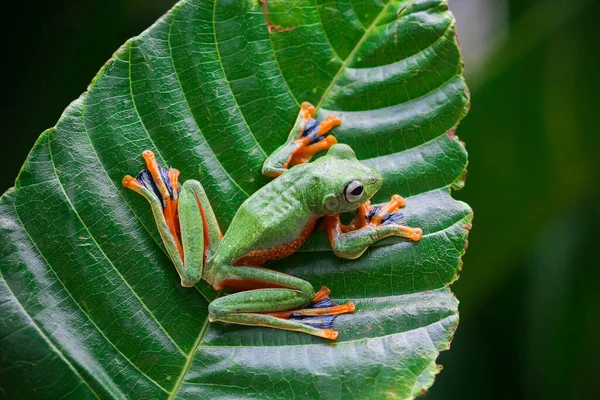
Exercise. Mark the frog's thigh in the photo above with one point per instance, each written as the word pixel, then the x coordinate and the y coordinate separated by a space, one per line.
pixel 209 219
pixel 258 300
pixel 277 291
pixel 192 235
pixel 199 231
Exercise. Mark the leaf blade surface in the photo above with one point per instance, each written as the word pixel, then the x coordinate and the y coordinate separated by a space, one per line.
pixel 88 287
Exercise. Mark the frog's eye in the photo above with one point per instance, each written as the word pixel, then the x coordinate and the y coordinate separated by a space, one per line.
pixel 353 191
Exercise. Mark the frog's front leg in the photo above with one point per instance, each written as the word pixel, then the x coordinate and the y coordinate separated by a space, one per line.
pixel 273 299
pixel 370 225
pixel 184 217
pixel 308 137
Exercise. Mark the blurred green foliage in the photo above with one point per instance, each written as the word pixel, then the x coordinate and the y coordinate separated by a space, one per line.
pixel 530 289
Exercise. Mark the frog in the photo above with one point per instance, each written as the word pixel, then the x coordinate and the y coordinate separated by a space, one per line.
pixel 270 225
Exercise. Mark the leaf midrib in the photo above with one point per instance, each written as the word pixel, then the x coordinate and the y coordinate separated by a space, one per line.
pixel 421 96
pixel 352 53
pixel 189 360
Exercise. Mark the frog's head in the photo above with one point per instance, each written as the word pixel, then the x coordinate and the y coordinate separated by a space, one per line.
pixel 345 182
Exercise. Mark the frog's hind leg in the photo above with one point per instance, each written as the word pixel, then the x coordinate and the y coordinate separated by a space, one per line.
pixel 200 232
pixel 185 220
pixel 322 294
pixel 159 186
pixel 320 313
pixel 276 303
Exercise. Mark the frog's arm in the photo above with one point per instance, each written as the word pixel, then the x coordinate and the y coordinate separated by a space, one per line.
pixel 371 225
pixel 184 217
pixel 307 137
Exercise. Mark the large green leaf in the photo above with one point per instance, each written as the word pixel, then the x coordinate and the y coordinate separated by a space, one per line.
pixel 90 304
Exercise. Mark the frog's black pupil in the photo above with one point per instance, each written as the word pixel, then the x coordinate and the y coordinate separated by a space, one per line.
pixel 353 191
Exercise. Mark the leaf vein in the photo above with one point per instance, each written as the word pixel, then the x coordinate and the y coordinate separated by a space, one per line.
pixel 233 181
pixel 56 349
pixel 134 293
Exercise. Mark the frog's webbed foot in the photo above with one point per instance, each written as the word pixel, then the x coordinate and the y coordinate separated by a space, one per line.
pixel 320 313
pixel 158 183
pixel 315 135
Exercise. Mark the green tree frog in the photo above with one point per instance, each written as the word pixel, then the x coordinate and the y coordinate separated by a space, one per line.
pixel 270 225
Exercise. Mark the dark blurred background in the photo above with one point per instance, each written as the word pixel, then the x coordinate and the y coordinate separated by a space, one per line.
pixel 530 289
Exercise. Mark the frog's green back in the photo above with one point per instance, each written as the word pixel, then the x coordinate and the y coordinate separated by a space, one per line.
pixel 273 216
